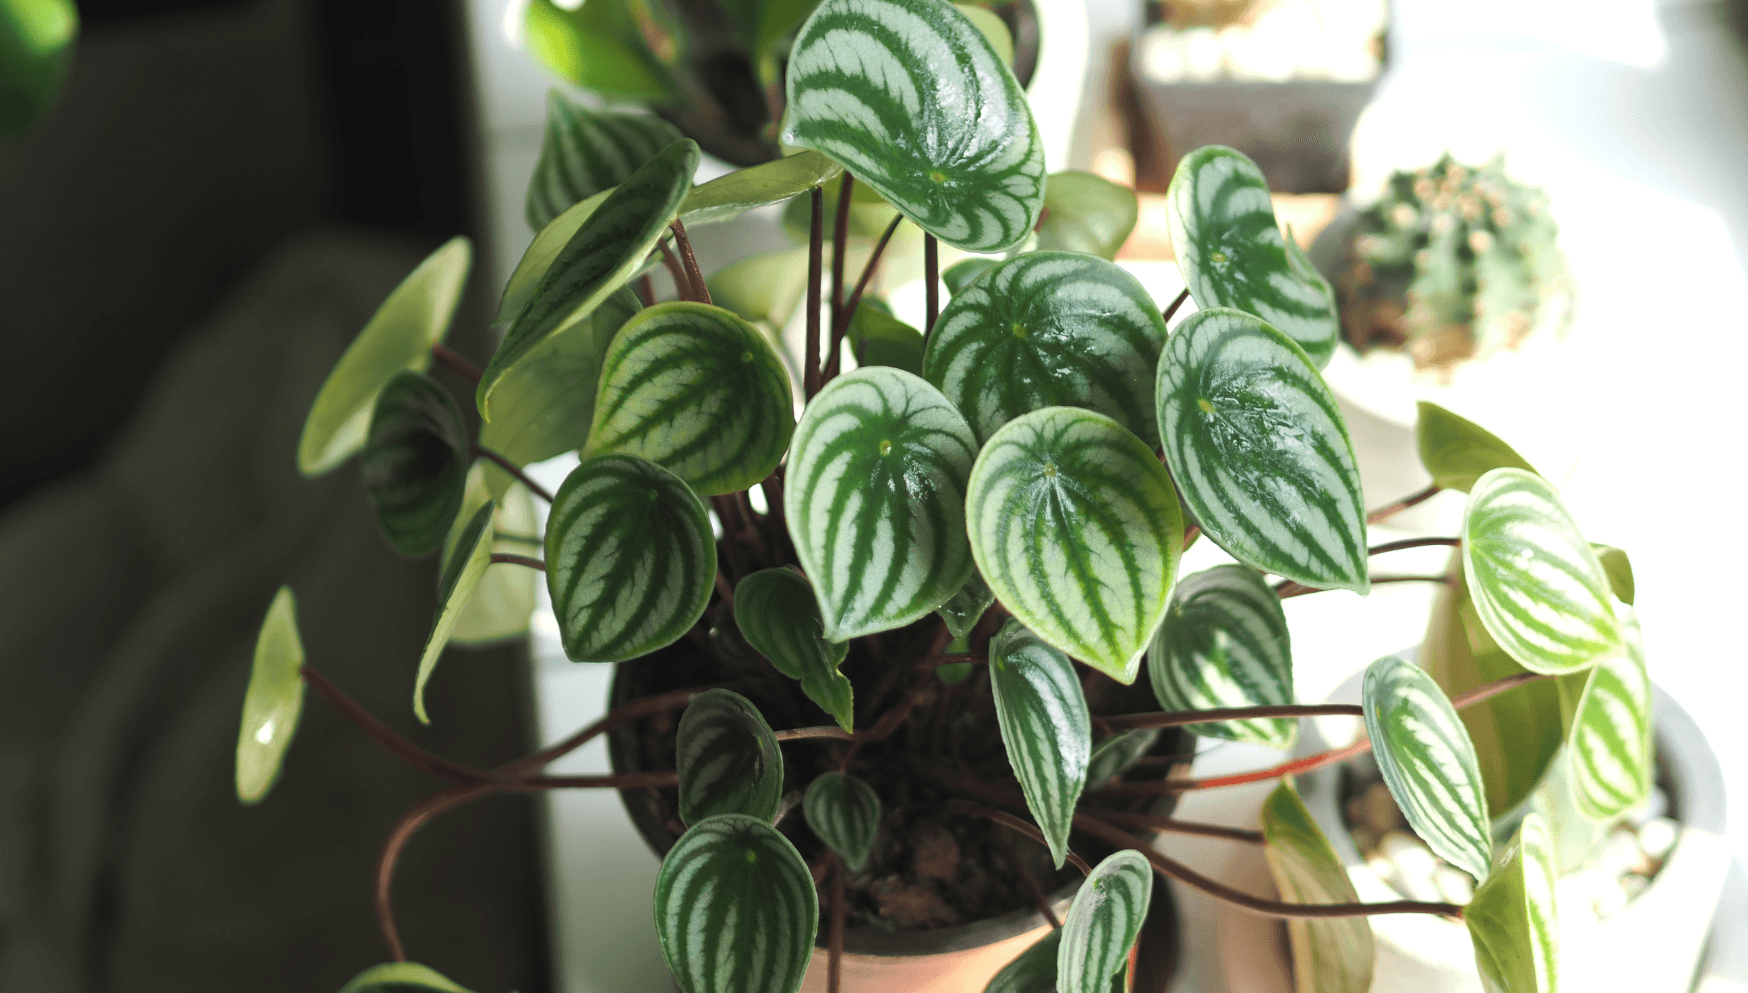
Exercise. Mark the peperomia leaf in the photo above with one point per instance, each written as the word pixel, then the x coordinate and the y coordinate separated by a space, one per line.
pixel 541 253
pixel 1610 745
pixel 1086 213
pixel 1113 756
pixel 1045 726
pixel 1032 971
pixel 764 287
pixel 1231 252
pixel 767 183
pixel 845 812
pixel 585 152
pixel 415 462
pixel 776 612
pixel 728 759
pixel 1619 570
pixel 910 96
pixel 503 602
pixel 401 977
pixel 875 500
pixel 630 559
pixel 1537 584
pixel 736 908
pixel 597 46
pixel 963 273
pixel 1330 955
pixel 1075 527
pixel 1049 329
pixel 398 337
pixel 1458 451
pixel 878 338
pixel 1428 762
pixel 462 571
pixel 994 29
pixel 1259 450
pixel 273 702
pixel 36 49
pixel 1512 918
pixel 965 608
pixel 1102 924
pixel 1224 643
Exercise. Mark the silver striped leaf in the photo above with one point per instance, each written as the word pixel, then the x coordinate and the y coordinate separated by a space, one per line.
pixel 1456 450
pixel 875 500
pixel 911 97
pixel 1331 955
pixel 845 812
pixel 630 559
pixel 1231 252
pixel 415 462
pixel 1224 643
pixel 503 602
pixel 695 389
pixel 273 701
pixel 965 608
pixel 1537 584
pixel 736 908
pixel 1049 329
pixel 1428 762
pixel 728 759
pixel 1619 570
pixel 585 152
pixel 1260 452
pixel 1075 527
pixel 1513 920
pixel 401 977
pixel 1610 747
pixel 538 258
pixel 1113 756
pixel 1045 726
pixel 1086 213
pixel 462 571
pixel 777 614
pixel 1102 923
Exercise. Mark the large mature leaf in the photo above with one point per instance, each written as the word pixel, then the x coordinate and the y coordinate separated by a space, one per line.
pixel 1512 918
pixel 1428 762
pixel 415 462
pixel 1045 725
pixel 1049 329
pixel 503 602
pixel 36 48
pixel 728 759
pixel 1332 955
pixel 912 98
pixel 767 183
pixel 777 613
pixel 697 390
pixel 1086 213
pixel 845 812
pixel 630 559
pixel 1117 752
pixel 878 338
pixel 965 608
pixel 1102 924
pixel 462 572
pixel 597 45
pixel 875 500
pixel 1537 583
pixel 541 253
pixel 1458 451
pixel 1224 643
pixel 398 337
pixel 1619 570
pixel 273 701
pixel 736 909
pixel 585 152
pixel 1260 452
pixel 1075 527
pixel 1231 252
pixel 401 977
pixel 1610 747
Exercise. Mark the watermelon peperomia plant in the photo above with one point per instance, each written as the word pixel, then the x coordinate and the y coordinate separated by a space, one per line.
pixel 1006 493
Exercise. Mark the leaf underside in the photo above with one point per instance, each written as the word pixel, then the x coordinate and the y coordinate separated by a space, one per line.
pixel 1512 918
pixel 1045 726
pixel 1086 213
pixel 461 575
pixel 415 462
pixel 1224 643
pixel 1457 451
pixel 273 702
pixel 1331 955
pixel 401 977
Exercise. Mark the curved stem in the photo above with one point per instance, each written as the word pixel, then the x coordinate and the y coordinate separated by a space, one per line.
pixel 1180 718
pixel 815 253
pixel 403 830
pixel 624 714
pixel 656 779
pixel 1397 546
pixel 515 472
pixel 695 276
pixel 450 359
pixel 1390 510
pixel 1175 826
pixel 400 747
pixel 1008 820
pixel 1176 303
pixel 527 560
pixel 856 299
pixel 1287 592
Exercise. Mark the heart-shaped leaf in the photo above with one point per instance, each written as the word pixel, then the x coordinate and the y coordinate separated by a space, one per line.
pixel 1086 213
pixel 1428 762
pixel 1610 744
pixel 1458 451
pixel 878 338
pixel 1260 452
pixel 965 608
pixel 779 616
pixel 1536 582
pixel 1231 252
pixel 1224 643
pixel 1075 527
pixel 542 252
pixel 735 908
pixel 958 276
pixel 767 183
pixel 697 390
pixel 401 977
pixel 1117 752
pixel 585 152
pixel 728 759
pixel 1619 570
pixel 503 602
pixel 461 575
pixel 1512 918
pixel 912 98
pixel 598 46
pixel 273 701
pixel 415 462
pixel 630 559
pixel 1330 955
pixel 1102 924
pixel 398 337
pixel 875 500
pixel 1049 329
pixel 845 812
pixel 1045 725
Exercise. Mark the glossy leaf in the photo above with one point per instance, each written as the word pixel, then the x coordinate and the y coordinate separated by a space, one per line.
pixel 541 253
pixel 597 46
pixel 1332 955
pixel 1513 920
pixel 1611 747
pixel 1032 971
pixel 1458 451
pixel 965 608
pixel 462 572
pixel 776 612
pixel 585 152
pixel 630 559
pixel 765 287
pixel 1224 643
pixel 1259 451
pixel 729 196
pixel 1045 726
pixel 728 759
pixel 503 602
pixel 36 49
pixel 398 337
pixel 965 272
pixel 1117 753
pixel 845 812
pixel 273 702
pixel 1619 570
pixel 415 462
pixel 1075 527
pixel 1086 213
pixel 1428 762
pixel 912 98
pixel 875 500
pixel 401 977
pixel 1102 923
pixel 878 338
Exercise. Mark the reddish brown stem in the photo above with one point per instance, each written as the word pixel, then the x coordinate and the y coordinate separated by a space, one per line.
pixel 676 272
pixel 856 300
pixel 657 779
pixel 623 714
pixel 815 256
pixel 1397 546
pixel 514 471
pixel 1175 826
pixel 840 242
pixel 835 941
pixel 450 359
pixel 403 749
pixel 1176 303
pixel 936 661
pixel 695 276
pixel 931 282
pixel 1027 883
pixel 1008 820
pixel 1388 511
pixel 1287 592
pixel 527 560
pixel 646 290
pixel 403 830
pixel 1173 719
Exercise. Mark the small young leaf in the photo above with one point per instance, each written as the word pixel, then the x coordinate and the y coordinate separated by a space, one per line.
pixel 767 183
pixel 777 613
pixel 728 759
pixel 878 338
pixel 461 576
pixel 585 152
pixel 415 462
pixel 597 46
pixel 1102 924
pixel 273 701
pixel 1113 756
pixel 965 608
pixel 1086 213
pixel 845 812
pixel 1032 971
pixel 503 602
pixel 1619 570
pixel 1045 725
pixel 401 977
pixel 958 276
pixel 1332 955
pixel 1457 451
pixel 1224 643
pixel 1512 918
pixel 1610 746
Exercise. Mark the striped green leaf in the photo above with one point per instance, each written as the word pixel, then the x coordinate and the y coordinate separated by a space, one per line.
pixel 1045 725
pixel 461 575
pixel 697 390
pixel 1537 584
pixel 875 500
pixel 1113 756
pixel 503 602
pixel 728 759
pixel 1619 570
pixel 605 252
pixel 1458 451
pixel 912 98
pixel 415 462
pixel 776 612
pixel 845 812
pixel 1049 329
pixel 1260 452
pixel 1224 643
pixel 1513 920
pixel 736 908
pixel 965 608
pixel 1332 955
pixel 1428 762
pixel 1075 527
pixel 767 183
pixel 541 253
pixel 398 337
pixel 1102 923
pixel 1086 213
pixel 630 559
pixel 401 977
pixel 585 152
pixel 1231 252
pixel 273 702
pixel 1610 744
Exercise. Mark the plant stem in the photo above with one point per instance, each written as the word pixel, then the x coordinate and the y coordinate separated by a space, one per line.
pixel 1157 823
pixel 628 781
pixel 1177 302
pixel 623 714
pixel 646 290
pixel 1008 820
pixel 840 241
pixel 527 560
pixel 819 731
pixel 931 282
pixel 510 467
pixel 700 290
pixel 815 251
pixel 676 272
pixel 724 590
pixel 1289 591
pixel 1397 546
pixel 856 299
pixel 835 943
pixel 452 360
pixel 936 661
pixel 400 747
pixel 403 830
pixel 1027 883
pixel 1172 719
pixel 1388 511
